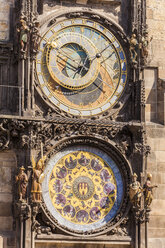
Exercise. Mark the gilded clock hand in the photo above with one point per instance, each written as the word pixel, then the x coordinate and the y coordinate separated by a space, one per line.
pixel 67 57
pixel 107 57
pixel 98 55
pixel 105 48
pixel 65 54
pixel 78 70
pixel 99 87
pixel 105 83
pixel 73 67
pixel 83 65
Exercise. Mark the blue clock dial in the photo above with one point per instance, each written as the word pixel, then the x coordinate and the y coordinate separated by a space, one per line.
pixel 81 67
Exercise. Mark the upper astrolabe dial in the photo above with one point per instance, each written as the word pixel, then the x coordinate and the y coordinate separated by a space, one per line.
pixel 81 67
pixel 71 61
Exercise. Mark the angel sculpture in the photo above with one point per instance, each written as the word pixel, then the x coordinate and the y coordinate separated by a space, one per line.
pixel 37 178
pixel 148 187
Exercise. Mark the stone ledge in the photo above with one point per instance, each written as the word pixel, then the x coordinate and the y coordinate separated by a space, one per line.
pixel 156 242
pixel 156 233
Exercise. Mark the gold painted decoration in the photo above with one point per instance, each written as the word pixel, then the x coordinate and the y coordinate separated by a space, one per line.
pixel 81 67
pixel 82 187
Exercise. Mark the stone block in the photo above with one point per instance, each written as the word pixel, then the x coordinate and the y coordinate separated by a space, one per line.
pixel 5 179
pixel 162 73
pixel 5 5
pixel 81 1
pixel 5 209
pixel 8 156
pixel 156 243
pixel 151 166
pixel 159 144
pixel 160 156
pixel 150 78
pixel 150 116
pixel 9 163
pixel 151 108
pixel 6 223
pixel 5 197
pixel 149 13
pixel 151 96
pixel 156 233
pixel 11 242
pixel 161 167
pixel 150 142
pixel 157 221
pixel 160 95
pixel 1 242
pixel 158 207
pixel 160 194
pixel 155 132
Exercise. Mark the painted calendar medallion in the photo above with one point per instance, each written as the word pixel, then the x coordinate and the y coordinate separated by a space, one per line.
pixel 83 188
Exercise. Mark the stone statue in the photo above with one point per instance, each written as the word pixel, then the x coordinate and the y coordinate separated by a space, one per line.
pixel 147 188
pixel 133 48
pixel 135 192
pixel 144 46
pixel 22 181
pixel 37 179
pixel 35 37
pixel 23 35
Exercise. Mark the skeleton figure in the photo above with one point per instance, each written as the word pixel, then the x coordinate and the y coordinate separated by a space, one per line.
pixel 37 179
pixel 133 48
pixel 135 191
pixel 148 195
pixel 22 180
pixel 35 37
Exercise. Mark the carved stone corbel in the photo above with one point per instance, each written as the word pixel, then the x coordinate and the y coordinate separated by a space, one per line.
pixel 4 137
pixel 22 209
pixel 142 149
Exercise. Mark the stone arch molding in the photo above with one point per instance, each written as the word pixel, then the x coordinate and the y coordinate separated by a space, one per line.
pixel 52 18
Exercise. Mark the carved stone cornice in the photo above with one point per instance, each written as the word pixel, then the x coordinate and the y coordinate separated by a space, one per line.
pixel 23 133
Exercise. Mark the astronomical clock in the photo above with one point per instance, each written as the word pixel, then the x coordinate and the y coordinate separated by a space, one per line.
pixel 81 67
pixel 81 70
pixel 78 134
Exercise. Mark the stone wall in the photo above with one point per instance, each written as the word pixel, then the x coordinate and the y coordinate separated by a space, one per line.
pixel 7 170
pixel 156 26
pixel 5 19
pixel 155 119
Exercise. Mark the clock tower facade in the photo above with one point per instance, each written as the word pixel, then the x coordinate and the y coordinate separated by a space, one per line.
pixel 75 125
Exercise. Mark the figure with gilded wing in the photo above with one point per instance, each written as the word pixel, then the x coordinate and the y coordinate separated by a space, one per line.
pixel 37 178
pixel 148 190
